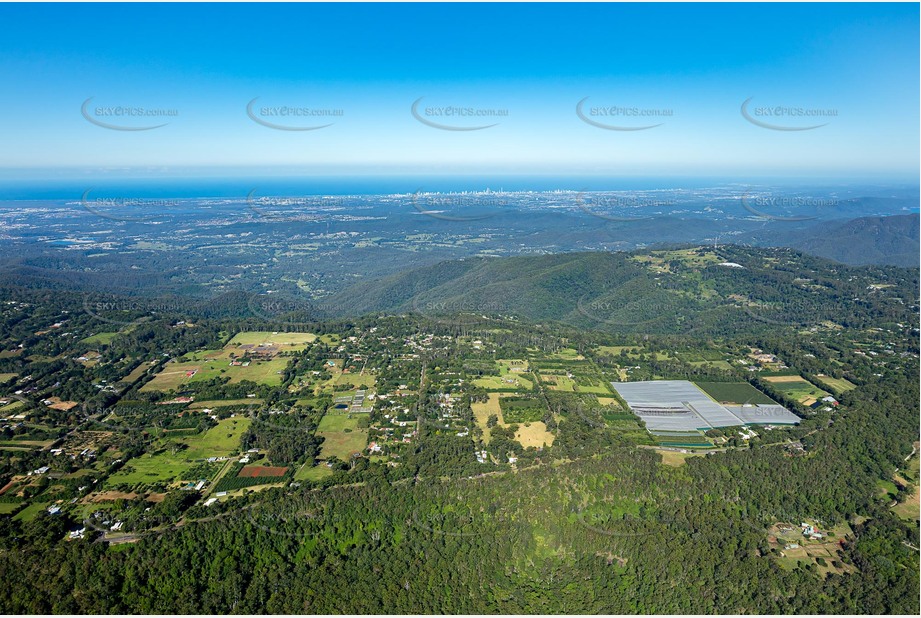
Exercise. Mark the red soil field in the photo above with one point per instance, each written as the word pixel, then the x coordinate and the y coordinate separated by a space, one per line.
pixel 253 471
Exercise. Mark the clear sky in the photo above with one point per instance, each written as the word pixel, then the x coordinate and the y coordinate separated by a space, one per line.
pixel 698 63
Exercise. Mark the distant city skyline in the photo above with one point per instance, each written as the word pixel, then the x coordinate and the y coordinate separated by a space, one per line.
pixel 722 90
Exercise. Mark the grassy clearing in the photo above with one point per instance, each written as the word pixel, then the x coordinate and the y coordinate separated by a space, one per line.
pixel 31 512
pixel 341 436
pixel 534 434
pixel 837 385
pixel 7 377
pixel 271 338
pixel 910 509
pixel 514 365
pixel 8 507
pixel 674 458
pixel 615 350
pixel 568 354
pixel 308 472
pixel 100 338
pixel 337 422
pixel 27 443
pixel 219 441
pixel 11 407
pixel 342 445
pixel 483 410
pixel 360 380
pixel 159 468
pixel 660 261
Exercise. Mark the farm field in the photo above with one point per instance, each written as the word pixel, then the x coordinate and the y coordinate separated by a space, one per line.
pixel 265 368
pixel 341 436
pixel 6 377
pixel 521 410
pixel 198 405
pixel 175 375
pixel 734 392
pixel 717 364
pixel 530 433
pixel 343 444
pixel 136 373
pixel 513 365
pixel 838 385
pixel 824 554
pixel 796 388
pixel 262 471
pixel 682 440
pixel 358 380
pixel 558 383
pixel 512 377
pixel 588 384
pixel 498 383
pixel 170 465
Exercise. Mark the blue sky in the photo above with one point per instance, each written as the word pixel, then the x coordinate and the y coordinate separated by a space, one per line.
pixel 535 62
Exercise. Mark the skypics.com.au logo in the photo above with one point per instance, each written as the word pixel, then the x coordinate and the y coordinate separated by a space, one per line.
pixel 620 117
pixel 291 117
pixel 125 117
pixel 785 117
pixel 455 117
pixel 125 208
